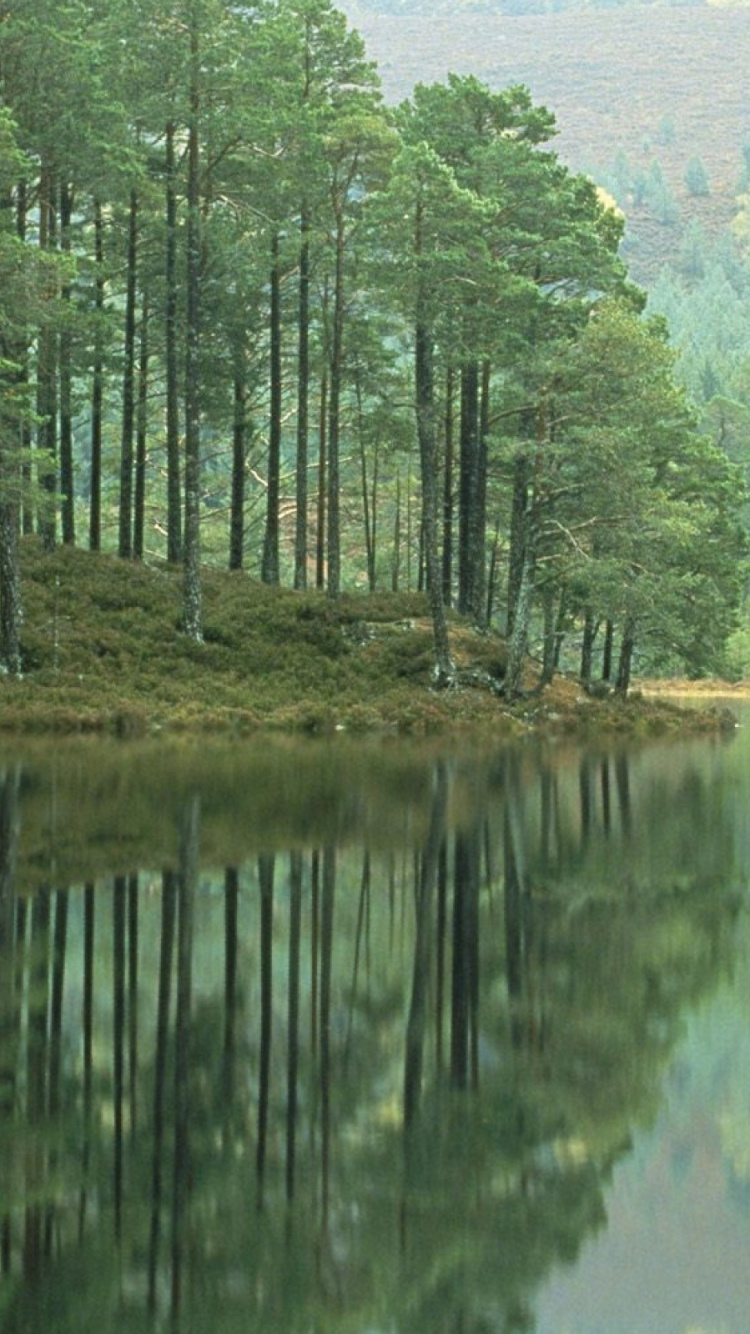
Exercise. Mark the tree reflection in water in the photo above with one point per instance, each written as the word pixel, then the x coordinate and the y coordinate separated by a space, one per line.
pixel 357 1082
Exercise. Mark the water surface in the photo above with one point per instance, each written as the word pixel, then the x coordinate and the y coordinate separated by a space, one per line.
pixel 375 1038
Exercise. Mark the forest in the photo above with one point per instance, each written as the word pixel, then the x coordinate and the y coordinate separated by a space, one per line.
pixel 253 317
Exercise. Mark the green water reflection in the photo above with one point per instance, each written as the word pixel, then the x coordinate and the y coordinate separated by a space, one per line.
pixel 367 1038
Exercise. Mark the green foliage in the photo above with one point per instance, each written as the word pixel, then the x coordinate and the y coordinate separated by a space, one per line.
pixel 696 178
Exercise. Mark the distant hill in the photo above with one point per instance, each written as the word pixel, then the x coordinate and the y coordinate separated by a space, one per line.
pixel 651 99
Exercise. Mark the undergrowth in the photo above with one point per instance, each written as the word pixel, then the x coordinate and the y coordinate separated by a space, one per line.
pixel 103 650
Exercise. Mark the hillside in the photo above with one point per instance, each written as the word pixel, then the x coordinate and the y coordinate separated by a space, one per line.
pixel 657 84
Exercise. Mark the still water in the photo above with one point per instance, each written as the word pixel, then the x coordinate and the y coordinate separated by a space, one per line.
pixel 375 1038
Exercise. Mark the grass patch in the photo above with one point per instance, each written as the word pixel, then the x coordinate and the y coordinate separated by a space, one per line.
pixel 103 652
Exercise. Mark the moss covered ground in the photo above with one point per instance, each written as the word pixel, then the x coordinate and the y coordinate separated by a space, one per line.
pixel 103 651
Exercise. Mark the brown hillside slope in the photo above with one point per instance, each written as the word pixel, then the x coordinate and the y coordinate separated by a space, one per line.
pixel 612 78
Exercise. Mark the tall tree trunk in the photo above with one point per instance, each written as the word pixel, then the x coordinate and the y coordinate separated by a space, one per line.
pixel 127 432
pixel 174 507
pixel 321 540
pixel 609 640
pixel 396 561
pixel 468 472
pixel 368 492
pixel 239 435
pixel 479 521
pixel 97 385
pixel 270 563
pixel 625 663
pixel 590 627
pixel 47 353
pixel 21 356
pixel 67 480
pixel 518 523
pixel 10 573
pixel 141 435
pixel 303 397
pixel 521 619
pixel 549 636
pixel 192 608
pixel 334 417
pixel 448 492
pixel 425 408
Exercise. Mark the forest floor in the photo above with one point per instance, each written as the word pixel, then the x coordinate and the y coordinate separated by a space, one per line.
pixel 103 652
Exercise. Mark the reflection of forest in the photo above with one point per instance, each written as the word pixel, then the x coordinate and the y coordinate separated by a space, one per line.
pixel 351 1086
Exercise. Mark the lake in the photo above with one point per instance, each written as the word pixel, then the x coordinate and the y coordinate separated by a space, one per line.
pixel 375 1037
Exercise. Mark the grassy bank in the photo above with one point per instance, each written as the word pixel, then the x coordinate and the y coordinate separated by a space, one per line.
pixel 103 651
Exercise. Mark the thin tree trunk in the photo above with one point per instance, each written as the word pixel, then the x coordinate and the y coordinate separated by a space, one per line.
pixel 396 563
pixel 321 539
pixel 590 627
pixel 468 471
pixel 270 563
pixel 367 499
pixel 10 574
pixel 239 432
pixel 425 407
pixel 174 505
pixel 97 385
pixel 334 419
pixel 625 663
pixel 448 492
pixel 67 481
pixel 141 436
pixel 549 634
pixel 192 608
pixel 125 543
pixel 562 611
pixel 47 351
pixel 607 653
pixel 303 396
pixel 521 621
pixel 22 358
pixel 518 524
